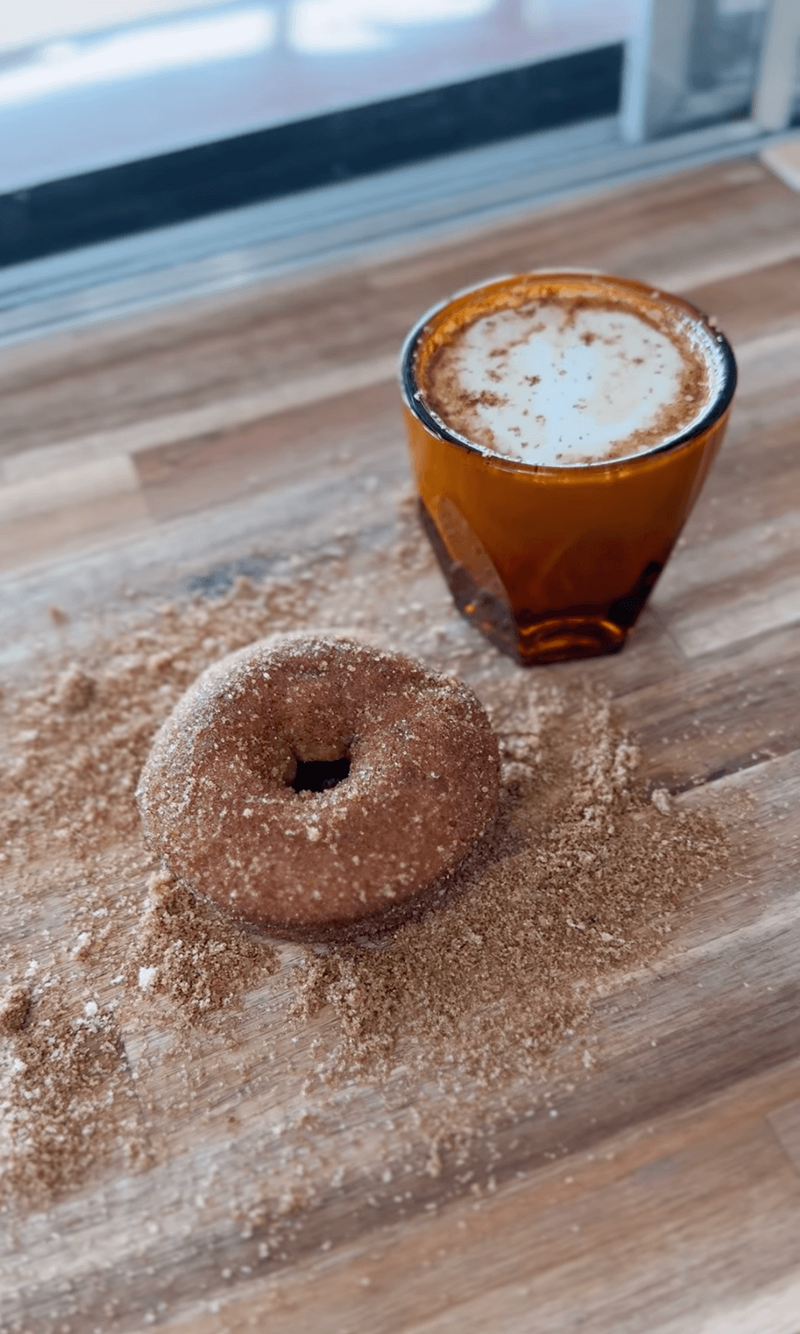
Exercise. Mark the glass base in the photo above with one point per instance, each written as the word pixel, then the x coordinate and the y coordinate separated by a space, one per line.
pixel 577 632
pixel 555 639
pixel 565 638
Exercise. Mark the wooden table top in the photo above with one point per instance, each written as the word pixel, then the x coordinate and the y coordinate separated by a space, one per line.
pixel 148 458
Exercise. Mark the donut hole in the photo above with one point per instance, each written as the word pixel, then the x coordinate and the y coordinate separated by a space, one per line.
pixel 320 775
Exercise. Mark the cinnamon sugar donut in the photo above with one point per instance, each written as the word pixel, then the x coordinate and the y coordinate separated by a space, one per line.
pixel 318 787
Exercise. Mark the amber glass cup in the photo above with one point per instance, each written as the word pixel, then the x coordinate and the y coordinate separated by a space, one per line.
pixel 552 562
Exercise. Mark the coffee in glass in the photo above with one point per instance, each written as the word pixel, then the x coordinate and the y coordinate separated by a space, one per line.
pixel 561 426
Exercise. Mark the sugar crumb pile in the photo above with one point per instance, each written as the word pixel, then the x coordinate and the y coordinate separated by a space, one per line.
pixel 65 1097
pixel 576 884
pixel 190 954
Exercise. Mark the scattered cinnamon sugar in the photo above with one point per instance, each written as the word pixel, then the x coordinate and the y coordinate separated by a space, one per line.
pixel 77 739
pixel 192 954
pixel 14 1008
pixel 75 690
pixel 575 885
pixel 577 881
pixel 73 873
pixel 66 1100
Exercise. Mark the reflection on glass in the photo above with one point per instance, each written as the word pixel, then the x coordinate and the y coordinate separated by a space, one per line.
pixel 63 65
pixel 317 26
pixel 45 20
pixel 692 63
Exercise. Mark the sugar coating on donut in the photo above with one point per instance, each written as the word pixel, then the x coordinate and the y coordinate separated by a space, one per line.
pixel 415 774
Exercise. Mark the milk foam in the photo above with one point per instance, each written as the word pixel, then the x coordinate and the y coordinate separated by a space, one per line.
pixel 557 382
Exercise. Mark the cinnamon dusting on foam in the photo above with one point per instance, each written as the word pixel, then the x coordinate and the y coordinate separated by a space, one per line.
pixel 549 375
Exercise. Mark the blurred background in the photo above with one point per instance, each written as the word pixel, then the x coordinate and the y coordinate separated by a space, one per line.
pixel 122 117
pixel 85 85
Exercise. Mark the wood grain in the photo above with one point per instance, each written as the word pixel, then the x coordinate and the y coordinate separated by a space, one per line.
pixel 252 342
pixel 162 454
pixel 786 1124
pixel 566 1251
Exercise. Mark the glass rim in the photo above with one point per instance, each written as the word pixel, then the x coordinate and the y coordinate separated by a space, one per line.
pixel 416 404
